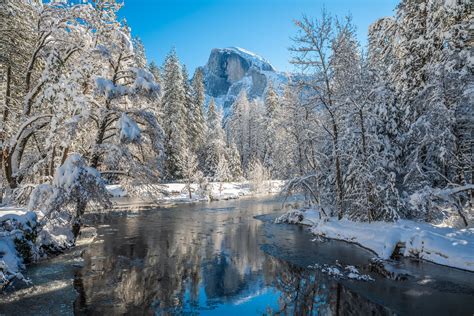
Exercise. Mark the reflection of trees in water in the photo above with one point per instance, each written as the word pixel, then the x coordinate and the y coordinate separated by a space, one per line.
pixel 159 263
pixel 308 292
pixel 168 261
pixel 147 270
pixel 303 292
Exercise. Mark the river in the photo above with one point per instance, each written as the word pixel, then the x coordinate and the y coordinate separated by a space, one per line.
pixel 225 258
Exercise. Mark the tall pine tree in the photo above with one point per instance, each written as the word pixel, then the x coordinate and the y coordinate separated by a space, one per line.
pixel 198 124
pixel 174 110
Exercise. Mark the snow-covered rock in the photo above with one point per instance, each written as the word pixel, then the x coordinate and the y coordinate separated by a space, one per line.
pixel 442 245
pixel 307 217
pixel 116 190
pixel 16 235
pixel 231 70
pixel 339 272
pixel 25 238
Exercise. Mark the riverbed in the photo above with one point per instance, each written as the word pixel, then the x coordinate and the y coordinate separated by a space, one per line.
pixel 226 258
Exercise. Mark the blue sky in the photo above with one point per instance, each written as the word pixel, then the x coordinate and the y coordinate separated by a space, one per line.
pixel 194 27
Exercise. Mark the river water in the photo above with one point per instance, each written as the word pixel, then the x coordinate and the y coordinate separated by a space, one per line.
pixel 225 258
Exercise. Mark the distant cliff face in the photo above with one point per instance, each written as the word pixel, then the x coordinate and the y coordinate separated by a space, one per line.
pixel 230 70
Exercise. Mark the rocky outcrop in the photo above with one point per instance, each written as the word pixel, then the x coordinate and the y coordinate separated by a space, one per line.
pixel 231 70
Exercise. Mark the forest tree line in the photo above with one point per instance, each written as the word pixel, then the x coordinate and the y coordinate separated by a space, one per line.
pixel 381 132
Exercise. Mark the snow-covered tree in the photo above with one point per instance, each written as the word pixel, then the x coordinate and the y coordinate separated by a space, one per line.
pixel 222 172
pixel 189 107
pixel 256 132
pixel 233 159
pixel 82 91
pixel 198 123
pixel 420 81
pixel 386 134
pixel 74 186
pixel 270 123
pixel 211 114
pixel 155 71
pixel 139 53
pixel 188 165
pixel 257 175
pixel 174 110
pixel 313 49
pixel 215 147
pixel 238 127
pixel 246 128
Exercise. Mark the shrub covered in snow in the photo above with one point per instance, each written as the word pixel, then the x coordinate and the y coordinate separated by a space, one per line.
pixel 17 243
pixel 74 186
pixel 291 217
pixel 54 221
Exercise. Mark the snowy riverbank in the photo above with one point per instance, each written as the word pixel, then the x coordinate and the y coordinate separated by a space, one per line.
pixel 442 245
pixel 178 193
pixel 15 225
pixel 24 240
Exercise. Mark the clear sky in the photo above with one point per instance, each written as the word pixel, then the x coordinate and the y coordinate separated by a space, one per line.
pixel 194 27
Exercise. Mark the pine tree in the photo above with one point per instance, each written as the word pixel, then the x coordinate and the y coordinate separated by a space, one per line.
pixel 211 113
pixel 198 129
pixel 155 71
pixel 418 103
pixel 188 166
pixel 256 131
pixel 233 159
pixel 270 122
pixel 174 121
pixel 222 172
pixel 189 107
pixel 271 100
pixel 215 146
pixel 139 53
pixel 238 127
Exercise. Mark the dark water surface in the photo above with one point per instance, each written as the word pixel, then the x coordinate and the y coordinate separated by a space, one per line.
pixel 226 258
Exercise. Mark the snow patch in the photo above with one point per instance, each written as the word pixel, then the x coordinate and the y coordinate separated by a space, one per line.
pixel 255 59
pixel 177 192
pixel 15 223
pixel 338 272
pixel 129 130
pixel 441 245
pixel 116 190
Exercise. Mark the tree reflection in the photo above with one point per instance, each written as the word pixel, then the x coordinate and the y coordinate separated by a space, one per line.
pixel 309 292
pixel 169 264
pixel 302 291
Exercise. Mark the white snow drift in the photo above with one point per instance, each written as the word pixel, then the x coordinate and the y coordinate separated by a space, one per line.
pixel 441 245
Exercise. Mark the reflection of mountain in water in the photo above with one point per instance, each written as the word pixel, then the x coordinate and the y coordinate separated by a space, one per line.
pixel 176 261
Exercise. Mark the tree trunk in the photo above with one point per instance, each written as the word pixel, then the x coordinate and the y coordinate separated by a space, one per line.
pixel 6 111
pixel 339 192
pixel 98 141
pixel 80 209
pixel 189 190
pixel 7 168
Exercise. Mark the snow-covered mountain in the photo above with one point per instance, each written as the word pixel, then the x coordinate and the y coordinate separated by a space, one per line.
pixel 230 70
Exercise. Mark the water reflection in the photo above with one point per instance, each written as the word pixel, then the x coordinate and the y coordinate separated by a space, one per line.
pixel 305 292
pixel 199 261
pixel 217 259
